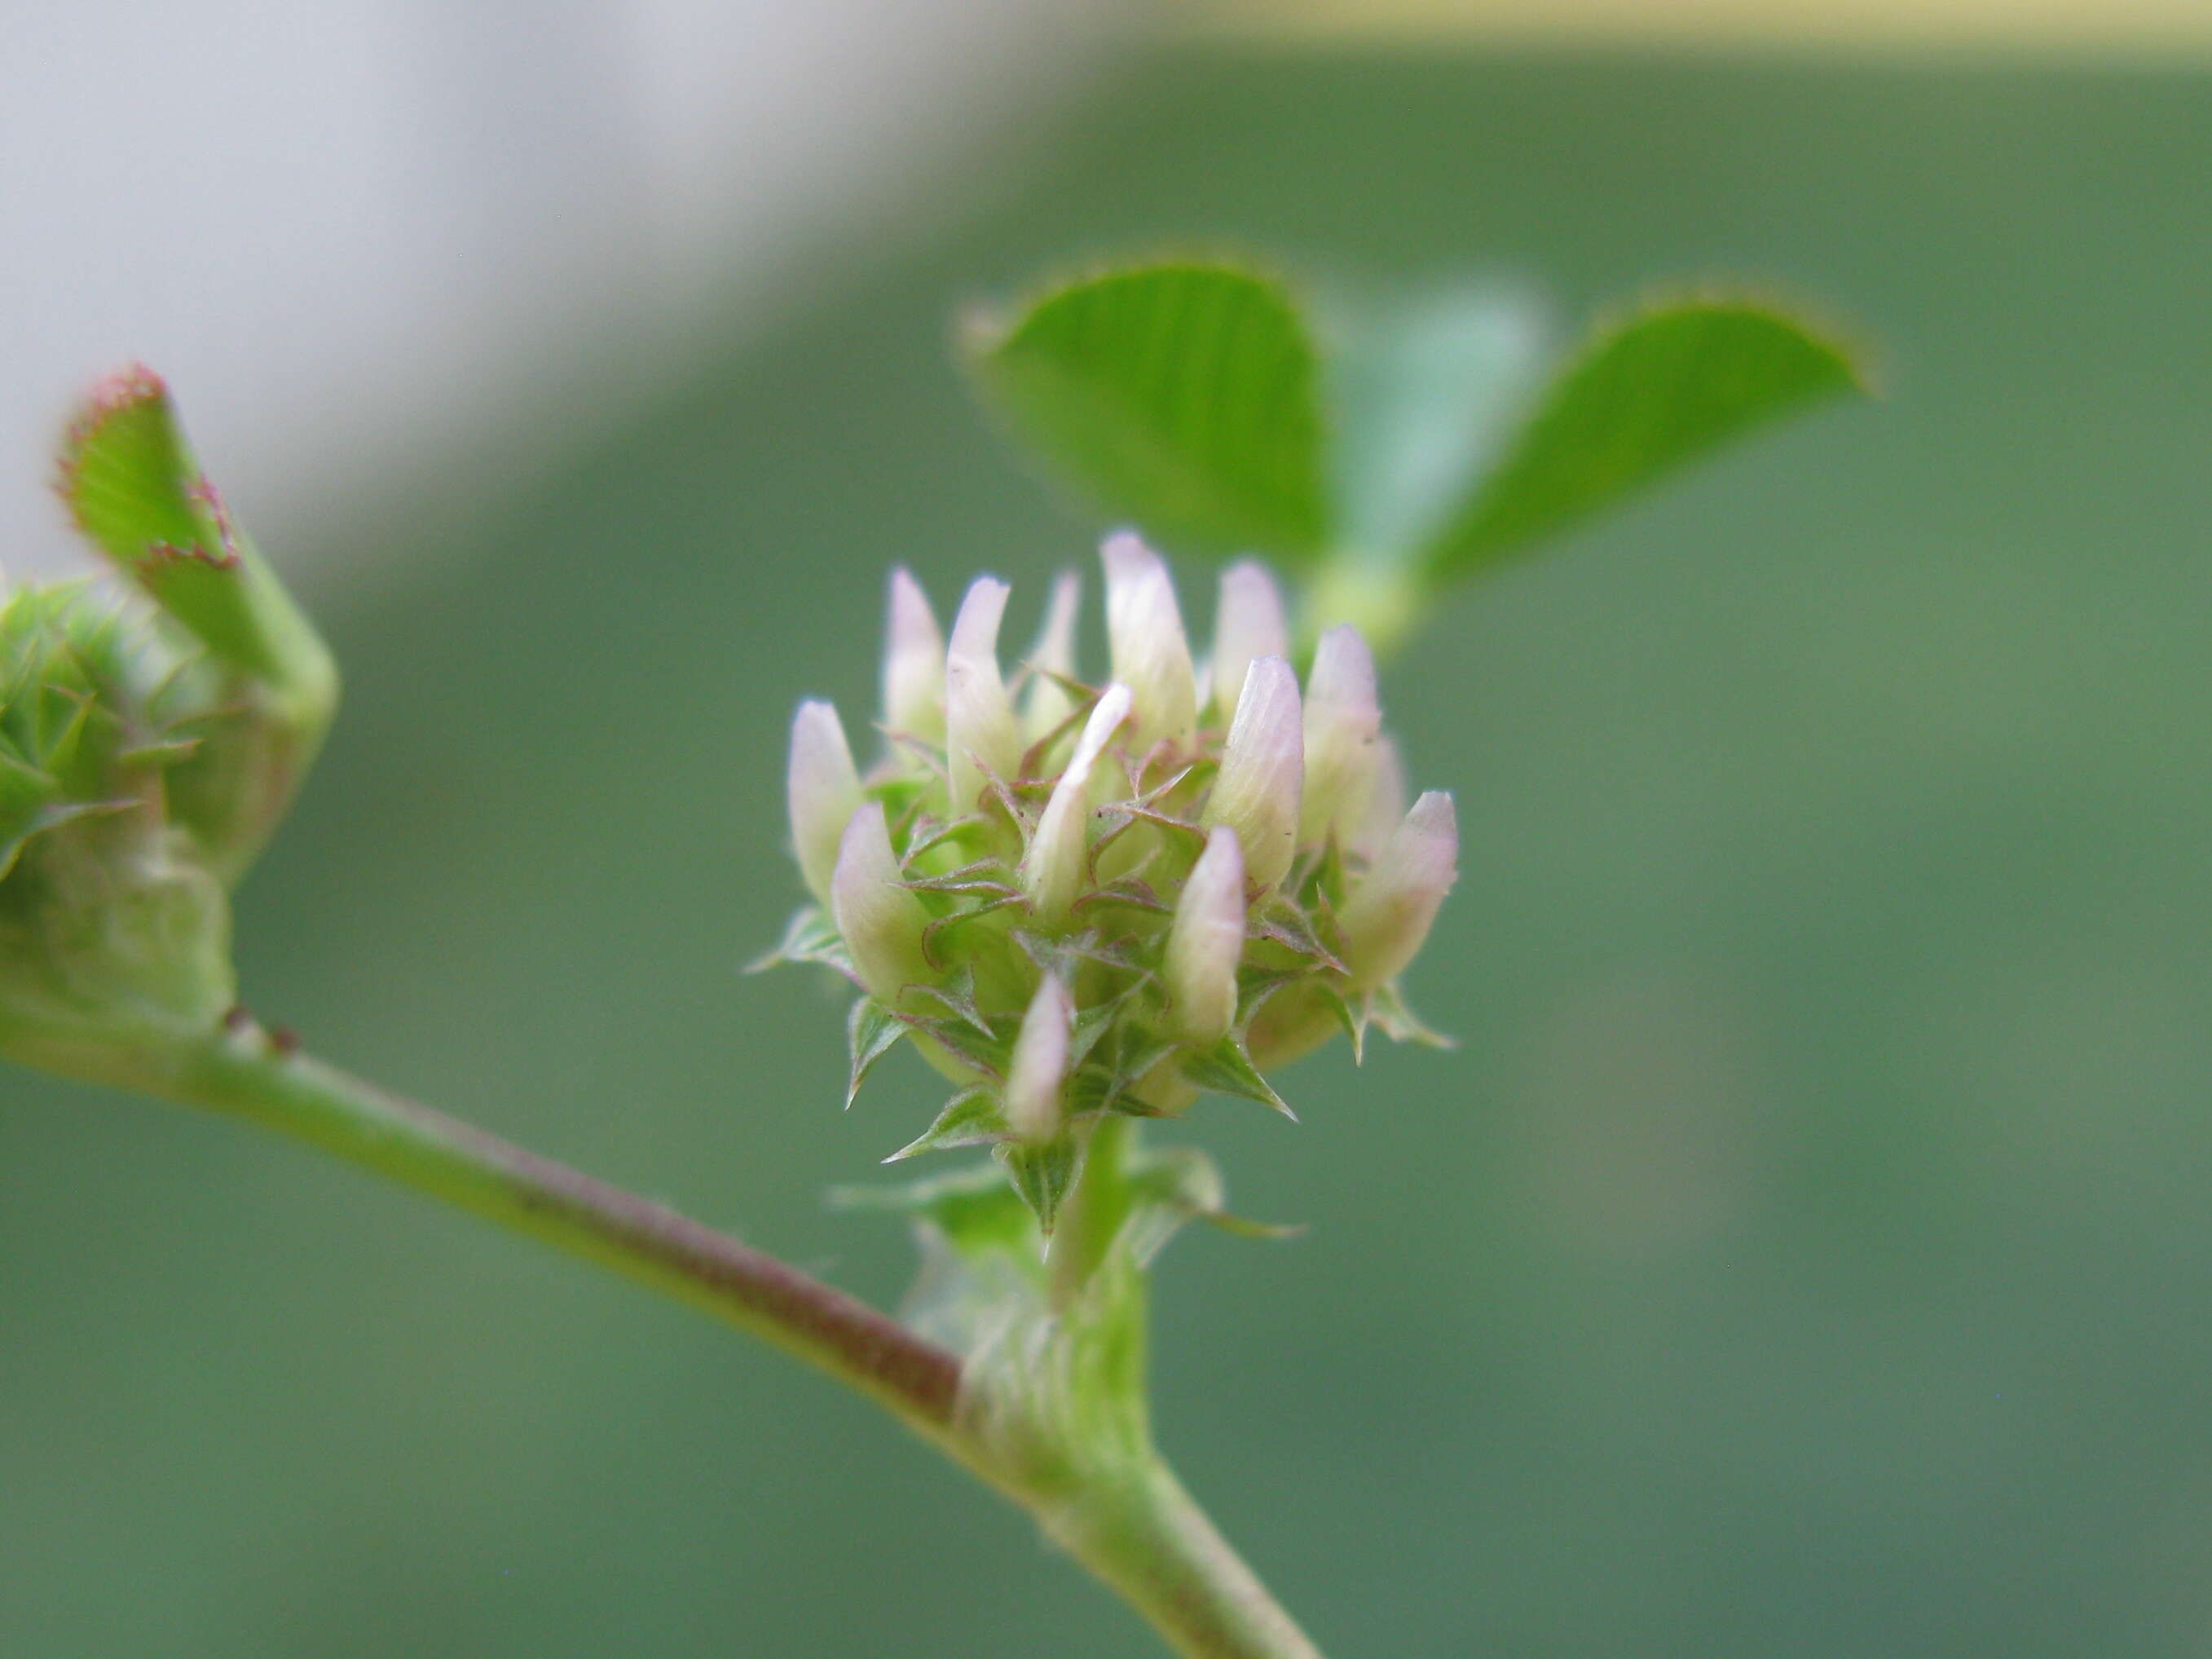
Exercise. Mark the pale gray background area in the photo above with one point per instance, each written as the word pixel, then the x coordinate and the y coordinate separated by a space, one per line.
pixel 353 231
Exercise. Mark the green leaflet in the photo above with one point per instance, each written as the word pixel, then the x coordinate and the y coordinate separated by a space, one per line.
pixel 133 487
pixel 1181 395
pixel 243 713
pixel 1644 396
pixel 1425 387
pixel 1187 396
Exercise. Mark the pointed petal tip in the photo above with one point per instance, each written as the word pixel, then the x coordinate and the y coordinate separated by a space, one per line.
pixel 976 626
pixel 1262 780
pixel 1386 799
pixel 914 661
pixel 1125 552
pixel 1435 815
pixel 1221 845
pixel 1062 607
pixel 1248 623
pixel 1145 632
pixel 1345 638
pixel 1217 879
pixel 1343 733
pixel 1205 940
pixel 1045 702
pixel 865 841
pixel 1109 712
pixel 1271 676
pixel 1425 849
pixel 813 723
pixel 981 734
pixel 822 788
pixel 1387 917
pixel 880 921
pixel 1038 1065
pixel 1343 673
pixel 1052 870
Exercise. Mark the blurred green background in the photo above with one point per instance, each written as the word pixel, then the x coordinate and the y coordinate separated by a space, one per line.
pixel 1807 1252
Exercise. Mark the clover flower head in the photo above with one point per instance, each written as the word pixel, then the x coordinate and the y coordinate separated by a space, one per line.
pixel 1080 900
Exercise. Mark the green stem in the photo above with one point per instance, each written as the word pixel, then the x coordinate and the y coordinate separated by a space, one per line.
pixel 1148 1538
pixel 243 1074
pixel 1094 1212
pixel 1143 1536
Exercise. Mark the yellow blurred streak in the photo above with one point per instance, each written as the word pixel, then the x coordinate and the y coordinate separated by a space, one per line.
pixel 2129 27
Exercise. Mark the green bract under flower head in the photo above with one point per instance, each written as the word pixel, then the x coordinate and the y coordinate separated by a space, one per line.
pixel 1083 900
pixel 152 733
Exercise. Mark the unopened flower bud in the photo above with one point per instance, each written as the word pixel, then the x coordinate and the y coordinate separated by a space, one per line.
pixel 1045 704
pixel 1038 1065
pixel 880 920
pixel 914 663
pixel 1263 772
pixel 1145 632
pixel 1386 799
pixel 152 731
pixel 1247 623
pixel 1206 941
pixel 1052 871
pixel 983 740
pixel 1389 914
pixel 1343 721
pixel 112 926
pixel 822 789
